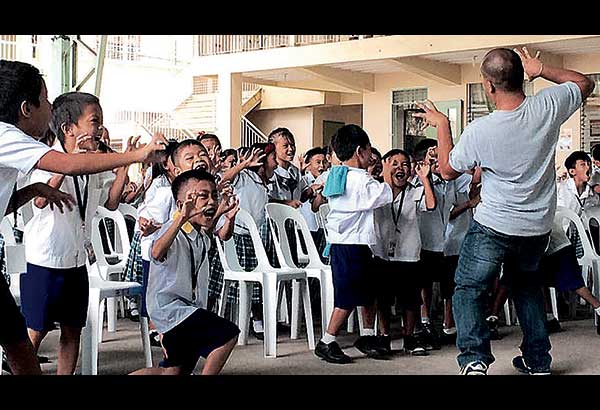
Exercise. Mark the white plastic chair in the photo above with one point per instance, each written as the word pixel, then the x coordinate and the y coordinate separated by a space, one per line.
pixel 101 289
pixel 278 214
pixel 269 277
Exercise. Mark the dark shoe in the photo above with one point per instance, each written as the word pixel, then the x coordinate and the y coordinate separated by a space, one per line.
pixel 430 336
pixel 385 343
pixel 476 368
pixel 5 366
pixel 258 335
pixel 43 359
pixel 134 315
pixel 492 323
pixel 332 353
pixel 413 346
pixel 553 326
pixel 519 364
pixel 369 345
pixel 155 339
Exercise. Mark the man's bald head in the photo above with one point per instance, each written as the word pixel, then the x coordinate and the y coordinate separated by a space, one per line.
pixel 503 68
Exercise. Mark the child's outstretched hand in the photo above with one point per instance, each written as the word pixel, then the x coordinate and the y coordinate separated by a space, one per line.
pixel 188 209
pixel 252 158
pixel 148 226
pixel 151 152
pixel 294 203
pixel 55 197
pixel 423 168
pixel 83 142
pixel 232 208
pixel 215 159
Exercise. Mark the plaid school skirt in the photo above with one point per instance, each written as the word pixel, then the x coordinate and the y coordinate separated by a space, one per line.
pixel 133 270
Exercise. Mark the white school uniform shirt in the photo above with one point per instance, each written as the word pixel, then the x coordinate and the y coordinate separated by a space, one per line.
pixel 311 218
pixel 253 195
pixel 54 239
pixel 568 197
pixel 350 219
pixel 169 295
pixel 432 224
pixel 18 153
pixel 457 192
pixel 399 228
pixel 286 184
pixel 159 205
pixel 558 239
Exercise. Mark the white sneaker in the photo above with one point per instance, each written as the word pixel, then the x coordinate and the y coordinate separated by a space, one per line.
pixel 476 368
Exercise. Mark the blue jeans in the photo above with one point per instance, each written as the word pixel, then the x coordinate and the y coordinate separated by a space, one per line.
pixel 483 253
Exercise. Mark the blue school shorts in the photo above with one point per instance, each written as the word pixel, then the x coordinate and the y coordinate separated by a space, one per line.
pixel 13 329
pixel 50 295
pixel 398 282
pixel 354 278
pixel 562 271
pixel 198 335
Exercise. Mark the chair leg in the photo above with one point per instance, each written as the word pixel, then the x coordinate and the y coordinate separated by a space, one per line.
pixel 310 330
pixel 554 302
pixel 244 311
pixel 351 319
pixel 507 312
pixel 327 288
pixel 111 312
pixel 223 298
pixel 270 314
pixel 295 309
pixel 361 326
pixel 101 320
pixel 89 340
pixel 146 341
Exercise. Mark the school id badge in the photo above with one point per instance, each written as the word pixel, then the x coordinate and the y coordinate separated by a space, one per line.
pixel 391 249
pixel 89 249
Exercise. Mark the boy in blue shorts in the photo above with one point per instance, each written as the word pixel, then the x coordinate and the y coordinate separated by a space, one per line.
pixel 178 283
pixel 353 195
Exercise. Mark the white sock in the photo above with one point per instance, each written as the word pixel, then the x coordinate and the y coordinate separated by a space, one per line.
pixel 597 310
pixel 369 332
pixel 450 330
pixel 425 320
pixel 550 316
pixel 492 317
pixel 327 338
pixel 257 325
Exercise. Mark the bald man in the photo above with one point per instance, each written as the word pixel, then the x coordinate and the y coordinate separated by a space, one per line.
pixel 515 147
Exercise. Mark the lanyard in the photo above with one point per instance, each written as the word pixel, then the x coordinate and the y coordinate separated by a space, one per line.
pixel 193 270
pixel 395 216
pixel 81 204
pixel 581 204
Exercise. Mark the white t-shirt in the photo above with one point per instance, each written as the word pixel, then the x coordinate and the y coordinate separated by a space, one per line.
pixel 432 224
pixel 253 195
pixel 397 230
pixel 350 219
pixel 516 152
pixel 306 211
pixel 457 193
pixel 18 153
pixel 159 206
pixel 169 296
pixel 54 239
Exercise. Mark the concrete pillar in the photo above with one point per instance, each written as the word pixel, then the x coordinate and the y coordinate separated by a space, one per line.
pixel 229 109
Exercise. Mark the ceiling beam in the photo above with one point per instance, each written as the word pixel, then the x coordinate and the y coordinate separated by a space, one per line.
pixel 444 73
pixel 316 84
pixel 353 80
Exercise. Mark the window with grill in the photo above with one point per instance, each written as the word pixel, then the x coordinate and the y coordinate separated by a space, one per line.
pixel 125 48
pixel 8 46
pixel 590 117
pixel 403 102
pixel 478 104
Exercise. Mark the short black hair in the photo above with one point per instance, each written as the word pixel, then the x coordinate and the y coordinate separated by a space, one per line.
pixel 572 159
pixel 228 152
pixel 503 67
pixel 396 151
pixel 209 137
pixel 596 152
pixel 266 148
pixel 345 141
pixel 157 168
pixel 376 152
pixel 421 148
pixel 67 108
pixel 18 82
pixel 181 145
pixel 312 152
pixel 281 132
pixel 182 179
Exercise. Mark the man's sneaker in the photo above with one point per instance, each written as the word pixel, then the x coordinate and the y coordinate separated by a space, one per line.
pixel 385 343
pixel 476 368
pixel 519 364
pixel 155 338
pixel 413 346
pixel 369 345
pixel 331 353
pixel 5 366
pixel 553 326
pixel 492 323
pixel 431 337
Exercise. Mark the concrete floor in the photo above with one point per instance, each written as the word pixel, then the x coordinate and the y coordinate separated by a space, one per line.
pixel 576 350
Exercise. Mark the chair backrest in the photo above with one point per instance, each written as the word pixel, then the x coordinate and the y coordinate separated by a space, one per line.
pixel 119 221
pixel 245 219
pixel 591 221
pixel 563 214
pixel 14 253
pixel 278 214
pixel 228 255
pixel 322 219
pixel 128 210
pixel 6 228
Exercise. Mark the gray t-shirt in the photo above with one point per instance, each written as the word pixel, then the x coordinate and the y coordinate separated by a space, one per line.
pixel 515 150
